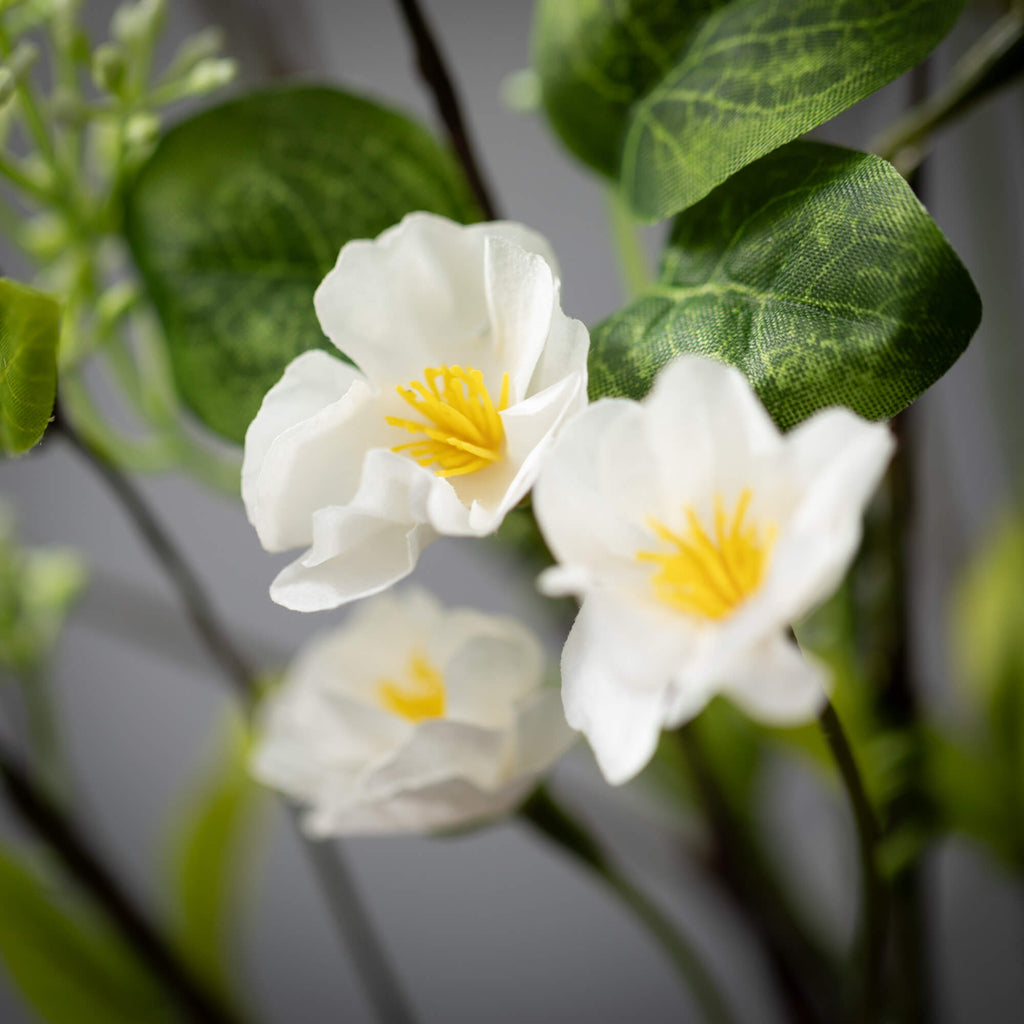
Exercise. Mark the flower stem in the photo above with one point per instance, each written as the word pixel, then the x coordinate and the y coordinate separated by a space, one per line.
pixel 995 60
pixel 38 812
pixel 550 819
pixel 874 924
pixel 353 925
pixel 435 74
pixel 634 271
pixel 198 607
pixel 364 946
pixel 804 973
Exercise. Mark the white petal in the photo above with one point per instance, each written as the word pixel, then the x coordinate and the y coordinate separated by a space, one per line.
pixel 491 672
pixel 542 733
pixel 415 297
pixel 443 806
pixel 440 749
pixel 521 295
pixel 615 688
pixel 357 555
pixel 311 414
pixel 576 497
pixel 707 425
pixel 565 354
pixel 837 460
pixel 779 685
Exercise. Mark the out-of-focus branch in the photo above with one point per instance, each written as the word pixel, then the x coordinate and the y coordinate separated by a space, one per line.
pixel 37 811
pixel 434 72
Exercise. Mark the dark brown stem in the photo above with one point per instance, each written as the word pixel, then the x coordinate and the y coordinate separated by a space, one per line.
pixel 804 976
pixel 39 814
pixel 875 920
pixel 434 72
pixel 196 604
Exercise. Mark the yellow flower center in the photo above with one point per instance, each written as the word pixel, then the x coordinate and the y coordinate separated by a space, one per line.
pixel 420 695
pixel 463 431
pixel 710 576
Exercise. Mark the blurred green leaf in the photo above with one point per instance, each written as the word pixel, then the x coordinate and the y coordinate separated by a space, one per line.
pixel 239 214
pixel 213 842
pixel 674 97
pixel 988 613
pixel 64 962
pixel 818 273
pixel 37 588
pixel 29 333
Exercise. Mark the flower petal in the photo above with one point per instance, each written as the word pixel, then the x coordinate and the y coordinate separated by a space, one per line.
pixel 521 296
pixel 542 733
pixel 357 555
pixel 779 685
pixel 415 296
pixel 614 688
pixel 837 460
pixel 439 749
pixel 443 806
pixel 310 418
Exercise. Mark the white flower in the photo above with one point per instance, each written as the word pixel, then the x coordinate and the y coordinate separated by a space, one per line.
pixel 466 368
pixel 696 533
pixel 411 718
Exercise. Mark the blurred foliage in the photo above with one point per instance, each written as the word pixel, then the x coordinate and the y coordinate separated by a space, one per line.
pixel 241 211
pixel 29 331
pixel 37 588
pixel 214 840
pixel 69 967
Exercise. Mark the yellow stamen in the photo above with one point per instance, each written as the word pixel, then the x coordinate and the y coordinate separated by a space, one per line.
pixel 464 432
pixel 710 576
pixel 420 696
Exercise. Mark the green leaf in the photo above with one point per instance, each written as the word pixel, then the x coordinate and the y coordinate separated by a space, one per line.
pixel 217 829
pixel 66 964
pixel 29 333
pixel 818 273
pixel 675 97
pixel 241 211
pixel 596 58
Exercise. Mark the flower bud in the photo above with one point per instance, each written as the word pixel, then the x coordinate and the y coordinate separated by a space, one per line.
pixel 138 23
pixel 110 68
pixel 209 75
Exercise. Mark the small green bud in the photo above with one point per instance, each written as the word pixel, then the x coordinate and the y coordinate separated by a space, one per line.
pixel 520 91
pixel 25 54
pixel 46 236
pixel 115 302
pixel 110 68
pixel 199 47
pixel 138 23
pixel 209 75
pixel 142 129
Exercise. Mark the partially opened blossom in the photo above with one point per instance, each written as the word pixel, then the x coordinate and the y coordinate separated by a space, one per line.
pixel 465 367
pixel 695 534
pixel 411 718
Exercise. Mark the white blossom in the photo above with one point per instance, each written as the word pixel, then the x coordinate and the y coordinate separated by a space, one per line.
pixel 411 718
pixel 466 368
pixel 695 534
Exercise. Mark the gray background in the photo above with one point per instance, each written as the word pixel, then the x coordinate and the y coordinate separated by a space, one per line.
pixel 496 927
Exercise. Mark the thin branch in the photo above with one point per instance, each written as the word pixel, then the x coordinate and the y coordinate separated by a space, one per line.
pixel 198 608
pixel 545 815
pixel 803 973
pixel 352 924
pixel 875 923
pixel 42 817
pixel 993 62
pixel 434 72
pixel 364 945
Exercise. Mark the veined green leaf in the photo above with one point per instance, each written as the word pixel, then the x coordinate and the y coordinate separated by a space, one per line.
pixel 673 98
pixel 241 211
pixel 596 58
pixel 818 273
pixel 217 828
pixel 29 332
pixel 65 963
